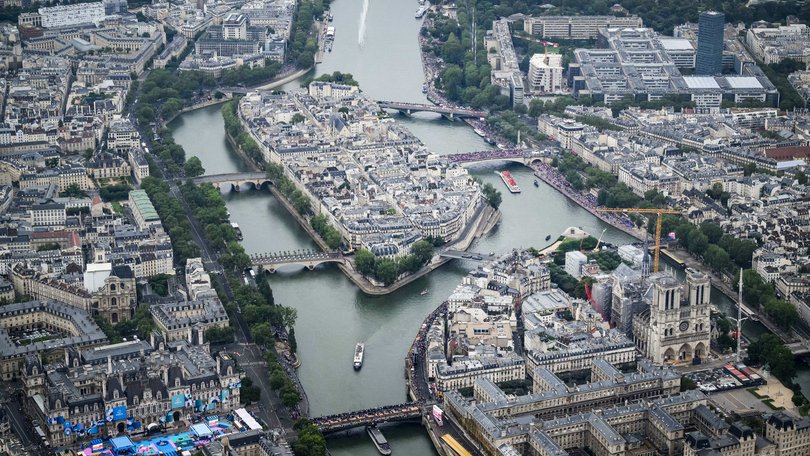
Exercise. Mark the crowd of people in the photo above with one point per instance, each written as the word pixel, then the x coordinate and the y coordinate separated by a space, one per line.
pixel 588 202
pixel 383 412
pixel 417 354
pixel 490 154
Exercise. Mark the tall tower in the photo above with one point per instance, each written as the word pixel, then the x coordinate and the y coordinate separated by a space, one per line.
pixel 709 59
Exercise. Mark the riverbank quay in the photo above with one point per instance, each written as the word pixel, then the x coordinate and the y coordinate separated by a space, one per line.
pixel 556 180
pixel 721 283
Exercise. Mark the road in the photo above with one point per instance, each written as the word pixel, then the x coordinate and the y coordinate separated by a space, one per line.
pixel 20 423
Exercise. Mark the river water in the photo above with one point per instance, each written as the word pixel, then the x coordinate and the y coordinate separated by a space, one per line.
pixel 332 314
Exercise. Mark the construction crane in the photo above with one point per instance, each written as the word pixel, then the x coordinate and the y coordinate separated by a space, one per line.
pixel 658 221
pixel 600 240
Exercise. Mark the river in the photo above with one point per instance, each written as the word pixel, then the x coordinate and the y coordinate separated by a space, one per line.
pixel 332 314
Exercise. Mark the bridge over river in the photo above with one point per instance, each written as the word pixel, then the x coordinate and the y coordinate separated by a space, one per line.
pixel 270 262
pixel 235 181
pixel 451 113
pixel 385 414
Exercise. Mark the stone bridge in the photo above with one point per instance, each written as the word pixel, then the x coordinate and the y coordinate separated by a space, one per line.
pixel 472 256
pixel 235 181
pixel 448 112
pixel 385 414
pixel 270 262
pixel 526 157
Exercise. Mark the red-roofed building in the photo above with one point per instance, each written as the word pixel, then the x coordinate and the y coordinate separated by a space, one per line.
pixel 788 153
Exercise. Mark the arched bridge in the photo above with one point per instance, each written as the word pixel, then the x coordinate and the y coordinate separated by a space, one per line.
pixel 450 113
pixel 349 420
pixel 235 181
pixel 524 156
pixel 472 256
pixel 270 262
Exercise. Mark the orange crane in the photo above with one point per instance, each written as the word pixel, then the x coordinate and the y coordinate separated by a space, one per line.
pixel 658 221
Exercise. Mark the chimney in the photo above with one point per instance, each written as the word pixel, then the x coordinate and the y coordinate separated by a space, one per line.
pixel 109 365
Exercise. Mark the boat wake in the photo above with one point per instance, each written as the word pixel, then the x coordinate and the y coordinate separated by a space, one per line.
pixel 361 32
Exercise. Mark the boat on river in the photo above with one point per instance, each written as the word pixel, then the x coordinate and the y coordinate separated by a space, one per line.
pixel 548 237
pixel 359 349
pixel 422 10
pixel 423 292
pixel 507 179
pixel 379 440
pixel 238 230
pixel 536 184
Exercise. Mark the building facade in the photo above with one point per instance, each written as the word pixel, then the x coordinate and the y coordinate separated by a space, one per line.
pixel 709 60
pixel 677 326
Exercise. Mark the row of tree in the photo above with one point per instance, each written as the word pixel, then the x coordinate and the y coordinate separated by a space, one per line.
pixel 303 42
pixel 173 218
pixel 329 234
pixel 299 200
pixel 388 269
pixel 234 129
pixel 280 382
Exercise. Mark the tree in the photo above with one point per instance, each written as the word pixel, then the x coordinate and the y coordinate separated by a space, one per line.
pixel 297 118
pixel 387 270
pixel 310 441
pixel 277 379
pixel 453 51
pixel 536 107
pixel 698 243
pixel 492 195
pixel 712 231
pixel 422 250
pixel 364 262
pixel 193 167
pixel 293 342
pixel 770 350
pixel 801 177
pixel 290 396
pixel 74 191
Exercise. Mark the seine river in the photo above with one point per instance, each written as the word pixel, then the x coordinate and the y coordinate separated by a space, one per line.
pixel 383 55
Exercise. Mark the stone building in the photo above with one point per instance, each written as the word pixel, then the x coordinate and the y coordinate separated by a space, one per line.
pixel 676 327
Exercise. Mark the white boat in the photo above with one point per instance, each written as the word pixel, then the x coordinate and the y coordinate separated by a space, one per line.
pixel 359 349
pixel 423 292
pixel 238 231
pixel 479 132
pixel 422 10
pixel 379 440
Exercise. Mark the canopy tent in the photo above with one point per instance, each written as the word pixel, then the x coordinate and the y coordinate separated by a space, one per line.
pixel 202 430
pixel 122 445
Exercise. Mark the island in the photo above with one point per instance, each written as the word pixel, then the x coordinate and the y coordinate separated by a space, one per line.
pixel 368 183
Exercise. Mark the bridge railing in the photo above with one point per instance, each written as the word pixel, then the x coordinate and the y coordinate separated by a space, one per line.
pixel 379 414
pixel 292 256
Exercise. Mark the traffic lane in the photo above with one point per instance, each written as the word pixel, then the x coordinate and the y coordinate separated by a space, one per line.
pixel 266 411
pixel 18 423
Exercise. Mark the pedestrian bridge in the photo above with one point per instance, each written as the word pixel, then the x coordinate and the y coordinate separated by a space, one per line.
pixel 270 262
pixel 526 157
pixel 472 256
pixel 235 181
pixel 386 414
pixel 449 112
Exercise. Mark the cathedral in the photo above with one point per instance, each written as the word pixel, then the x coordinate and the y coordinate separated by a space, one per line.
pixel 676 326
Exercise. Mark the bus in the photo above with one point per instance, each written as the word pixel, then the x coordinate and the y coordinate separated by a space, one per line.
pixel 455 448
